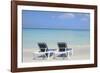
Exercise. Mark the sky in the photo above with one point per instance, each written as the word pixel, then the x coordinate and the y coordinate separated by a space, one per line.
pixel 52 19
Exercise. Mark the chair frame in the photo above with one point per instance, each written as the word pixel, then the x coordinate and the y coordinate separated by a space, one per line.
pixel 66 52
pixel 41 53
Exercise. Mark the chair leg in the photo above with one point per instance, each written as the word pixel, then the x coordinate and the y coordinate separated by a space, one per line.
pixel 63 58
pixel 44 57
pixel 69 55
pixel 54 56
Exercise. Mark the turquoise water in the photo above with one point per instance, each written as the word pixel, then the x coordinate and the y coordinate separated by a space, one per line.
pixel 51 36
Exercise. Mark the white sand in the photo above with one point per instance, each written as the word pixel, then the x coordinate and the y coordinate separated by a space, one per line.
pixel 78 54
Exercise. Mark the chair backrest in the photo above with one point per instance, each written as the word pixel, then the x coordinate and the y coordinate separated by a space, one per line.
pixel 43 47
pixel 62 46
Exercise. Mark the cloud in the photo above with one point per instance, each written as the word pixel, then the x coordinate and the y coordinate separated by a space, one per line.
pixel 66 15
pixel 86 17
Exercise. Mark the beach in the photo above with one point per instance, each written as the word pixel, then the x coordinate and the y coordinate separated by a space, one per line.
pixel 78 40
pixel 78 54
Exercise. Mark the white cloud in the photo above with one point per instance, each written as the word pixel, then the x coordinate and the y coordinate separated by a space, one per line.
pixel 85 18
pixel 87 15
pixel 67 15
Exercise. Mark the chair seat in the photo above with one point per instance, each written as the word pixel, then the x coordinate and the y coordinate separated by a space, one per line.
pixel 62 55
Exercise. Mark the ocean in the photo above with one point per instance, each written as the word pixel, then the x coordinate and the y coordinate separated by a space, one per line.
pixel 52 36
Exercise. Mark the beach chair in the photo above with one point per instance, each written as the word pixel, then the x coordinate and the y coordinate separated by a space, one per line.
pixel 63 50
pixel 42 53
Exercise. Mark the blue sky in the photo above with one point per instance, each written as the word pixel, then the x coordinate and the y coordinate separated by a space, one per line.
pixel 45 19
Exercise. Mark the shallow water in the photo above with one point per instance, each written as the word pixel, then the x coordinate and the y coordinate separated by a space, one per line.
pixel 51 36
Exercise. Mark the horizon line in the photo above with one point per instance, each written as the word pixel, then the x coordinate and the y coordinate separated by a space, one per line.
pixel 57 29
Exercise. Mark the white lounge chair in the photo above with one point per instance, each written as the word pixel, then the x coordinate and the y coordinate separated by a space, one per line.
pixel 42 53
pixel 63 51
